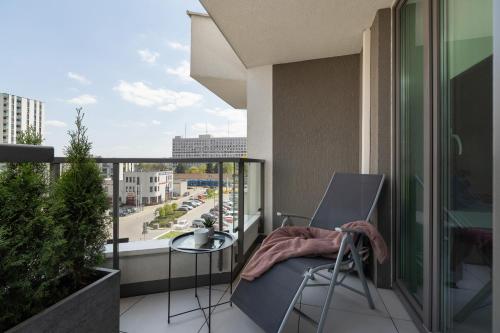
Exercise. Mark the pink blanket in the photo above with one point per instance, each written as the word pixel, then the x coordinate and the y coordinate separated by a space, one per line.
pixel 290 242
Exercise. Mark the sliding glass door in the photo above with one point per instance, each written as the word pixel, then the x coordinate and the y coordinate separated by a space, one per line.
pixel 444 161
pixel 466 110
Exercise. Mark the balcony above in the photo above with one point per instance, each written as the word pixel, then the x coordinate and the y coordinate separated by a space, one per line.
pixel 214 63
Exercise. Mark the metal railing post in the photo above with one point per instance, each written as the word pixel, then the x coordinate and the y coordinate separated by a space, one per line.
pixel 241 212
pixel 262 198
pixel 55 171
pixel 116 216
pixel 221 216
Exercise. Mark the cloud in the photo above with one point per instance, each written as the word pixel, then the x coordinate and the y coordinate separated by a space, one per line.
pixel 155 122
pixel 220 130
pixel 182 71
pixel 79 78
pixel 84 99
pixel 178 46
pixel 55 123
pixel 139 93
pixel 229 114
pixel 148 56
pixel 232 122
pixel 130 124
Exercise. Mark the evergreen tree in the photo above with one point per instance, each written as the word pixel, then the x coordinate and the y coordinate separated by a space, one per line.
pixel 30 241
pixel 79 204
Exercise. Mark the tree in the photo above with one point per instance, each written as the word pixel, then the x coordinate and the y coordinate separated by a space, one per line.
pixel 202 168
pixel 29 240
pixel 209 168
pixel 193 169
pixel 180 168
pixel 79 205
pixel 174 206
pixel 228 168
pixel 167 209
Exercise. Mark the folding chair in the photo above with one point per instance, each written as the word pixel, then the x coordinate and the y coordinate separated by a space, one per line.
pixel 270 299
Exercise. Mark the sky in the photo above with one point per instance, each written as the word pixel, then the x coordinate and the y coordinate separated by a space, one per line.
pixel 126 62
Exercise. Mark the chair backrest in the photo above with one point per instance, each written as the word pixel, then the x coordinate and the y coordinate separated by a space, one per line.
pixel 349 197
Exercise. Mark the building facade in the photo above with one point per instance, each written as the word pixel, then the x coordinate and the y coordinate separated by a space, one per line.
pixel 209 146
pixel 17 114
pixel 146 187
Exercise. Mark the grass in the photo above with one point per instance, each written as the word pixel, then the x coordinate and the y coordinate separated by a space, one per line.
pixel 171 234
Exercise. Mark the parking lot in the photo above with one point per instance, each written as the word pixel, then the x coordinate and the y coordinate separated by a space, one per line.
pixel 131 226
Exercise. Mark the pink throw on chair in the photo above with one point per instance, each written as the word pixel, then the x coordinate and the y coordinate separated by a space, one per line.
pixel 291 242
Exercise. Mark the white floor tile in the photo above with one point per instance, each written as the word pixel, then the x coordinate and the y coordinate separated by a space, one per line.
pixel 393 304
pixel 127 303
pixel 150 314
pixel 344 299
pixel 405 326
pixel 342 322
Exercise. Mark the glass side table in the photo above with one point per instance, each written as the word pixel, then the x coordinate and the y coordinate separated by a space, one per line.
pixel 182 243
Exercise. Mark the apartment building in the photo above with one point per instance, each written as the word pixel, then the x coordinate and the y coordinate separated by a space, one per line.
pixel 17 114
pixel 146 187
pixel 107 169
pixel 208 146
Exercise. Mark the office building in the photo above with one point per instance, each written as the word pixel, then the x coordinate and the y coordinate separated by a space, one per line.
pixel 208 146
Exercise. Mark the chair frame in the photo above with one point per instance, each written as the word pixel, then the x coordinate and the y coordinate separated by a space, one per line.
pixel 333 269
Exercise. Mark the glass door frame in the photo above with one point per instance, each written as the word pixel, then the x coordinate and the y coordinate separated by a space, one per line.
pixel 425 312
pixel 430 312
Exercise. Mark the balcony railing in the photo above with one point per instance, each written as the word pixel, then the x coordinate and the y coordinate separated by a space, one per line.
pixel 244 185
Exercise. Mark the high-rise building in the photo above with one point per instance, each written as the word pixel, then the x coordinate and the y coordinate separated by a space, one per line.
pixel 17 114
pixel 208 146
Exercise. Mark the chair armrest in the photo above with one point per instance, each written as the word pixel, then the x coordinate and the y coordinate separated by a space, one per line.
pixel 287 218
pixel 346 230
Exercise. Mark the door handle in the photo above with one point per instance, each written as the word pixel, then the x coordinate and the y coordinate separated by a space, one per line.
pixel 459 143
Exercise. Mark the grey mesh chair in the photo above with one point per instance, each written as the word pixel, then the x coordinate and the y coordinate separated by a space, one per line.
pixel 270 299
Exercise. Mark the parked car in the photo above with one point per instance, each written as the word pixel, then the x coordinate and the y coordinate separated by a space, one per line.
pixel 197 223
pixel 184 208
pixel 228 218
pixel 208 215
pixel 188 203
pixel 180 225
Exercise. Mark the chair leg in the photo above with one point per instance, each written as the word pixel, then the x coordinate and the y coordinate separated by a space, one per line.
pixel 295 299
pixel 333 282
pixel 359 268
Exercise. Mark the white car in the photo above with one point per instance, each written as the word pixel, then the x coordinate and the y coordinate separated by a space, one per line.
pixel 180 225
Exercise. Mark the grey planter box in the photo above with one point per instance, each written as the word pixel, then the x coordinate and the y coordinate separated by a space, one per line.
pixel 95 308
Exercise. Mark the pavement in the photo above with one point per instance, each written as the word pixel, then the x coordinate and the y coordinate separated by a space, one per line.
pixel 131 226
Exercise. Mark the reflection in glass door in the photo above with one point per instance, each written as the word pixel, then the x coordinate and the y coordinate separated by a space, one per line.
pixel 466 164
pixel 411 161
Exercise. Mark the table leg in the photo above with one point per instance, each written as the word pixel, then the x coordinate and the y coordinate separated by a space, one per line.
pixel 169 278
pixel 210 292
pixel 231 275
pixel 196 275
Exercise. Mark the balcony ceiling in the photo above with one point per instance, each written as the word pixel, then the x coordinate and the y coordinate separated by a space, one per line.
pixel 264 32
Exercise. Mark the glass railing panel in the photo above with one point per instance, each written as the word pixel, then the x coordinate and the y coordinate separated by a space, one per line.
pixel 230 197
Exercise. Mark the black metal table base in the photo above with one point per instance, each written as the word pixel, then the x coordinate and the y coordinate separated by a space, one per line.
pixel 210 307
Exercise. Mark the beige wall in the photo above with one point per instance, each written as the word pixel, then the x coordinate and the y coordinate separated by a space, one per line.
pixel 260 129
pixel 315 129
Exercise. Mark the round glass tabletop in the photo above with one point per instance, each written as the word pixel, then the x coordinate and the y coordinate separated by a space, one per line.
pixel 185 243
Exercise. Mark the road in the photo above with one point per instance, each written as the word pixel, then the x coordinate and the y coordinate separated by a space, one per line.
pixel 131 226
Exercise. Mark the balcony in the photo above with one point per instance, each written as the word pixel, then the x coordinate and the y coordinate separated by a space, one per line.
pixel 142 258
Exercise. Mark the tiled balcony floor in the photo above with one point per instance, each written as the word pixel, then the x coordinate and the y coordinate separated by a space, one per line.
pixel 349 313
